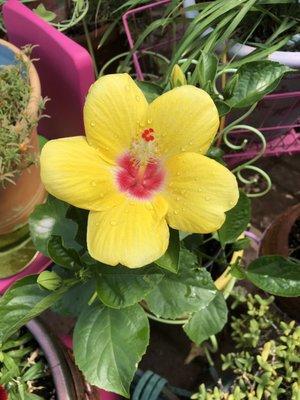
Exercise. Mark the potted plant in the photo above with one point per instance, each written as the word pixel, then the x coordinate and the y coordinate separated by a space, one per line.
pixel 282 237
pixel 239 361
pixel 263 361
pixel 21 188
pixel 126 229
pixel 35 365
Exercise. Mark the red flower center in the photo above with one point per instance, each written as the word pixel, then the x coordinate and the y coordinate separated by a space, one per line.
pixel 139 180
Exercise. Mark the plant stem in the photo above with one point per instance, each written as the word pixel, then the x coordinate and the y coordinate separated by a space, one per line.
pixel 166 321
pixel 90 46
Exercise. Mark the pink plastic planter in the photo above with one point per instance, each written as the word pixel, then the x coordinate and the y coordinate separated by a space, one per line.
pixel 37 265
pixel 65 69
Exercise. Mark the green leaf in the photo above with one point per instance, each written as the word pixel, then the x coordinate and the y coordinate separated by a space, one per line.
pixel 188 291
pixel 255 80
pixel 47 15
pixel 222 107
pixel 108 345
pixel 120 287
pixel 170 260
pixel 22 302
pixel 237 271
pixel 276 275
pixel 208 321
pixel 241 244
pixel 230 86
pixel 151 90
pixel 67 258
pixel 73 302
pixel 50 219
pixel 237 220
pixel 207 68
pixel 34 372
pixel 216 154
pixel 42 141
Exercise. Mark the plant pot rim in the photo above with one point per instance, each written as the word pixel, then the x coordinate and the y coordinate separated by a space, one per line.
pixel 58 360
pixel 38 264
pixel 278 239
pixel 35 96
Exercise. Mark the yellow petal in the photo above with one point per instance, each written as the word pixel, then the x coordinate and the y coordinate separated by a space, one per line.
pixel 184 119
pixel 114 112
pixel 199 190
pixel 133 234
pixel 74 172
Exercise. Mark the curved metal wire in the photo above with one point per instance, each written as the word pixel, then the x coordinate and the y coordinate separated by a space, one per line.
pixel 248 164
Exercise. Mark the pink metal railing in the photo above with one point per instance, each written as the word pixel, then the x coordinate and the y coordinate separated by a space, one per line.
pixel 277 115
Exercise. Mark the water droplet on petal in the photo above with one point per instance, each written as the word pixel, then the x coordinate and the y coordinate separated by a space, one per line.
pixel 149 120
pixel 190 143
pixel 92 124
pixel 176 212
pixel 200 190
pixel 182 148
pixel 137 97
pixel 177 173
pixel 113 223
pixel 97 223
pixel 207 198
pixel 177 198
pixel 93 183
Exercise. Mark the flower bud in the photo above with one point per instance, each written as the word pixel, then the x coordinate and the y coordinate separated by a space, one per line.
pixel 177 77
pixel 49 280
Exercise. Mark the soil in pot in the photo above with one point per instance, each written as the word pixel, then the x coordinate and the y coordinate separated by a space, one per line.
pixel 294 240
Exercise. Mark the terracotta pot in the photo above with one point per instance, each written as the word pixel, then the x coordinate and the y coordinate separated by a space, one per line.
pixel 18 200
pixel 276 241
pixel 68 380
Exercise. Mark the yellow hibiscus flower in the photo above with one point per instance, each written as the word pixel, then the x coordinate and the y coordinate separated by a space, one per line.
pixel 141 168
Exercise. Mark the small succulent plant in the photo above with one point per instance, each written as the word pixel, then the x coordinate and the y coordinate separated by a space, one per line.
pixel 267 365
pixel 15 123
